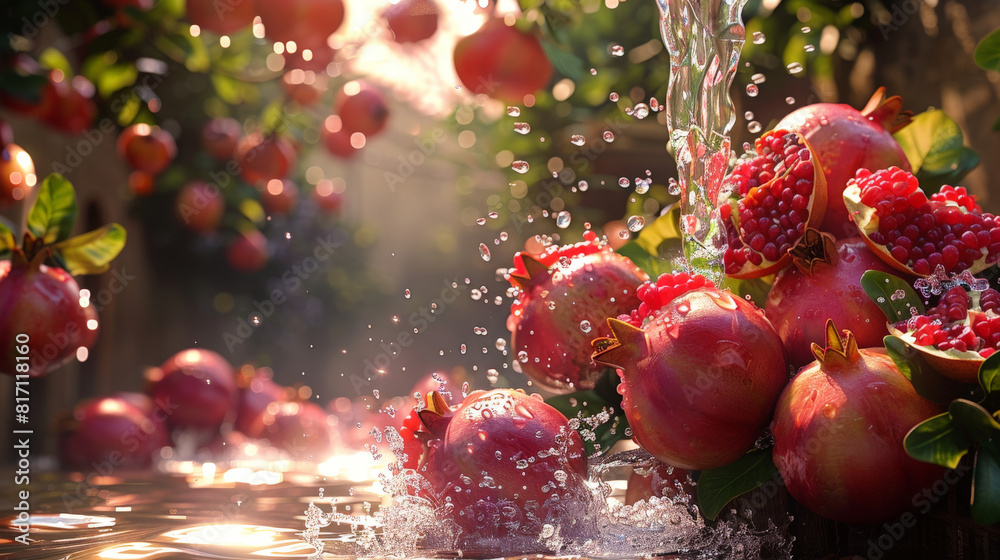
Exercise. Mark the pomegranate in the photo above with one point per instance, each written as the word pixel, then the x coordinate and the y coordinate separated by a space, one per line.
pixel 279 196
pixel 300 429
pixel 257 390
pixel 200 206
pixel 777 194
pixel 17 174
pixel 660 480
pixel 700 378
pixel 958 334
pixel 336 139
pixel 67 104
pixel 141 183
pixel 44 317
pixel 223 18
pixel 566 295
pixel 838 434
pixel 302 86
pixel 220 136
pixel 261 158
pixel 303 21
pixel 149 149
pixel 362 108
pixel 248 251
pixel 326 197
pixel 108 435
pixel 411 21
pixel 310 57
pixel 501 61
pixel 844 140
pixel 199 384
pixel 506 462
pixel 915 233
pixel 825 283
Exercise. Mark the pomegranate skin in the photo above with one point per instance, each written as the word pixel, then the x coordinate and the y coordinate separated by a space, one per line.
pixel 838 439
pixel 845 140
pixel 200 387
pixel 699 382
pixel 547 328
pixel 799 302
pixel 111 433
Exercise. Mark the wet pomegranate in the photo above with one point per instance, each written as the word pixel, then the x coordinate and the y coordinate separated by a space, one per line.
pixel 958 334
pixel 303 21
pixel 220 136
pixel 200 206
pixel 301 429
pixel 777 193
pixel 507 462
pixel 248 251
pixel 825 283
pixel 838 434
pixel 700 377
pixel 149 149
pixel 257 390
pixel 17 174
pixel 44 317
pixel 200 385
pixel 109 435
pixel 567 293
pixel 261 158
pixel 660 480
pixel 362 108
pixel 915 233
pixel 501 61
pixel 845 140
pixel 411 21
pixel 223 18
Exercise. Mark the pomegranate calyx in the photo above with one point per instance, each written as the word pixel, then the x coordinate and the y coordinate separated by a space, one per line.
pixel 626 345
pixel 534 272
pixel 839 351
pixel 887 111
pixel 816 247
pixel 436 414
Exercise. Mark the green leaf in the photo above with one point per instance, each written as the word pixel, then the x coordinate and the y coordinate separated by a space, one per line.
pixel 986 486
pixel 756 288
pixel 53 59
pixel 566 63
pixel 717 487
pixel 987 54
pixel 650 264
pixel 54 211
pixel 976 421
pixel 884 290
pixel 663 228
pixel 989 374
pixel 927 382
pixel 585 405
pixel 92 252
pixel 952 169
pixel 939 440
pixel 116 77
pixel 933 144
pixel 24 88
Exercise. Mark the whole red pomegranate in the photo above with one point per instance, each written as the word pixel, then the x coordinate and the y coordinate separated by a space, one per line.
pixel 501 61
pixel 248 251
pixel 200 387
pixel 845 140
pixel 279 196
pixel 362 108
pixel 257 390
pixel 838 434
pixel 303 86
pixel 825 283
pixel 67 103
pixel 506 462
pixel 149 149
pixel 567 294
pixel 44 317
pixel 327 197
pixel 302 21
pixel 200 206
pixel 700 379
pixel 411 21
pixel 108 435
pixel 224 18
pixel 261 158
pixel 336 138
pixel 220 136
pixel 17 174
pixel 301 429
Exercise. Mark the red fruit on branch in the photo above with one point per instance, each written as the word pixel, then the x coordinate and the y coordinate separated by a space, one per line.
pixel 845 140
pixel 411 21
pixel 916 234
pixel 17 175
pixel 337 139
pixel 825 283
pixel 248 252
pixel 223 18
pixel 700 378
pixel 220 136
pixel 303 21
pixel 44 317
pixel 67 104
pixel 777 194
pixel 567 293
pixel 958 334
pixel 200 206
pixel 501 61
pixel 262 158
pixel 111 433
pixel 302 86
pixel 199 387
pixel 362 108
pixel 146 148
pixel 279 197
pixel 838 434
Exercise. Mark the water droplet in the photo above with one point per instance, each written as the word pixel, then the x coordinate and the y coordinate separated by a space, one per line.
pixel 492 376
pixel 641 111
pixel 375 393
pixel 642 186
pixel 623 182
pixel 790 100
pixel 501 344
pixel 551 306
pixel 617 50
pixel 582 185
pixel 758 38
pixel 585 326
pixel 514 111
pixel 406 293
pixel 654 104
pixel 522 357
pixel 462 349
pixel 593 71
pixel 809 48
pixel 562 219
pixel 522 127
pixel 794 68
pixel 752 90
pixel 673 187
pixel 748 115
pixel 484 252
pixel 829 410
pixel 577 140
pixel 807 29
pixel 754 127
pixel 520 166
pixel 613 96
pixel 608 136
pixel 481 221
pixel 635 223
pixel 758 78
pixel 624 234
pixel 476 295
pixel 493 215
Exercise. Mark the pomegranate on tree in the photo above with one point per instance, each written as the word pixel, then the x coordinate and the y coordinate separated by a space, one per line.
pixel 307 22
pixel 701 370
pixel 566 294
pixel 200 386
pixel 777 193
pixel 411 21
pixel 327 197
pixel 279 196
pixel 501 61
pixel 44 317
pixel 303 86
pixel 223 18
pixel 362 108
pixel 916 234
pixel 248 251
pixel 220 136
pixel 264 157
pixel 336 138
pixel 67 104
pixel 825 283
pixel 838 434
pixel 109 434
pixel 17 174
pixel 148 149
pixel 200 206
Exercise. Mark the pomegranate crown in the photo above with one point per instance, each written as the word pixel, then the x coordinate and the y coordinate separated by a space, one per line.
pixel 531 268
pixel 816 247
pixel 839 350
pixel 626 345
pixel 436 414
pixel 887 111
